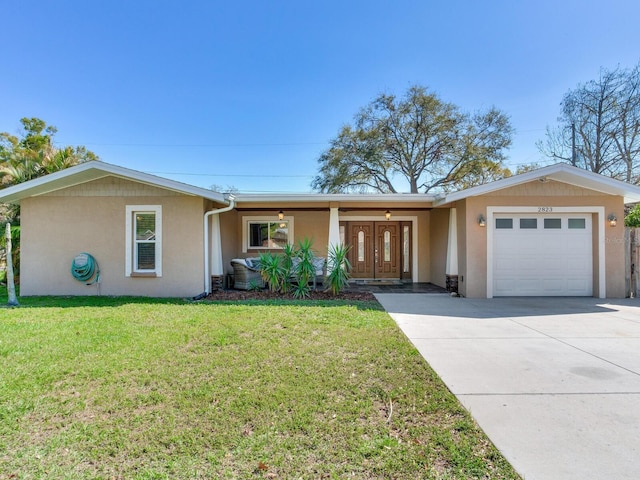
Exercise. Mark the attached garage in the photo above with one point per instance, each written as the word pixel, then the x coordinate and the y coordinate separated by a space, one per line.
pixel 556 231
pixel 542 254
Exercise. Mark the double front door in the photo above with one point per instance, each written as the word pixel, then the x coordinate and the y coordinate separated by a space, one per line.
pixel 379 249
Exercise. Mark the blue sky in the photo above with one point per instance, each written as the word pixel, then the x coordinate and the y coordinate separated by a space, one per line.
pixel 248 94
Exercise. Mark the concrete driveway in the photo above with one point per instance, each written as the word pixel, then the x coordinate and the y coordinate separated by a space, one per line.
pixel 554 382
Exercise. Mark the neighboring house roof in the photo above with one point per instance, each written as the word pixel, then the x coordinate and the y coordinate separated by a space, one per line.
pixel 560 172
pixel 94 170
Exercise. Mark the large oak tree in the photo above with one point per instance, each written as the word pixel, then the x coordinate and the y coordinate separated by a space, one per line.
pixel 417 143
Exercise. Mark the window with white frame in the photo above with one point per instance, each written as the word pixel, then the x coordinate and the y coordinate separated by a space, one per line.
pixel 266 233
pixel 143 240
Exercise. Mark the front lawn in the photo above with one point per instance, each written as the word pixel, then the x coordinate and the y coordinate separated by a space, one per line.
pixel 148 389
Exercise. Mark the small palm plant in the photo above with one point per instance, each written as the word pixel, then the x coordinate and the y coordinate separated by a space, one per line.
pixel 339 268
pixel 304 270
pixel 288 254
pixel 271 271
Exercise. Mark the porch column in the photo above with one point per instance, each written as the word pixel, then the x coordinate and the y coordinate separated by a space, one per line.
pixel 451 269
pixel 216 246
pixel 334 228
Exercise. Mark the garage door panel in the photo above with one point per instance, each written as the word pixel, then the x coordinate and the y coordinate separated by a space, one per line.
pixel 576 266
pixel 577 285
pixel 551 284
pixel 550 264
pixel 528 264
pixel 506 286
pixel 543 262
pixel 526 285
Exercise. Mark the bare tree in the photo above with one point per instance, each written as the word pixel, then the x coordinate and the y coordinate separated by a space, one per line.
pixel 627 139
pixel 599 126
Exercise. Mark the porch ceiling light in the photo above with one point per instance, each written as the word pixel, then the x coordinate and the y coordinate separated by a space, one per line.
pixel 481 221
pixel 613 220
pixel 387 214
pixel 280 215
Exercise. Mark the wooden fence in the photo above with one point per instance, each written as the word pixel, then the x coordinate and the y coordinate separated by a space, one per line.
pixel 632 241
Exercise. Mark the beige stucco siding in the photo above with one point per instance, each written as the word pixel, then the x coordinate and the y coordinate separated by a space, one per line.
pixel 424 250
pixel 57 227
pixel 536 194
pixel 113 187
pixel 231 239
pixel 306 224
pixel 314 224
pixel 438 240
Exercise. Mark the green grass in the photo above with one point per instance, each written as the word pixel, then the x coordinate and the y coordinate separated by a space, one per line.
pixel 155 389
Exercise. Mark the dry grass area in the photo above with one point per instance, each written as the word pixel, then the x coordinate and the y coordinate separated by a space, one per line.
pixel 148 389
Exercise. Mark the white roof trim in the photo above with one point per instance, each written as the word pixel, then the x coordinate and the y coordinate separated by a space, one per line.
pixel 560 172
pixel 94 170
pixel 335 197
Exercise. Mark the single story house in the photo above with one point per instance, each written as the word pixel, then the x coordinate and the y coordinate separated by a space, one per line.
pixel 556 231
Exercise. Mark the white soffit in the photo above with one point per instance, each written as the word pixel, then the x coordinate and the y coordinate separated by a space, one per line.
pixel 384 198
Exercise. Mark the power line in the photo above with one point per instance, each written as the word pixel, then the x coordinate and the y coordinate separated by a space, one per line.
pixel 197 145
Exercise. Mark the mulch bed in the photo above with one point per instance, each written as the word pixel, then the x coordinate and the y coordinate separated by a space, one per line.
pixel 236 295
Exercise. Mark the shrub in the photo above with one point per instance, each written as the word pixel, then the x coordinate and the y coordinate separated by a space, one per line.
pixel 304 270
pixel 271 271
pixel 339 268
pixel 288 255
pixel 633 217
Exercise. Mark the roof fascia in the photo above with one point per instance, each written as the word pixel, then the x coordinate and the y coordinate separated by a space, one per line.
pixel 560 172
pixel 20 191
pixel 335 197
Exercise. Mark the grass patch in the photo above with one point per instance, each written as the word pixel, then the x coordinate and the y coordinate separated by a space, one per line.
pixel 155 389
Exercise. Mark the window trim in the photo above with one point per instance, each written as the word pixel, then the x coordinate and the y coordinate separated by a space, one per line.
pixel 533 225
pixel 263 219
pixel 504 223
pixel 581 220
pixel 549 223
pixel 130 241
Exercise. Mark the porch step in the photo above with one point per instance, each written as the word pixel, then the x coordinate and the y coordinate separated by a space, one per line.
pixel 378 281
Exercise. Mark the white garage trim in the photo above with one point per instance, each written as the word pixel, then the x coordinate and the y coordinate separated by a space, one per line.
pixel 599 211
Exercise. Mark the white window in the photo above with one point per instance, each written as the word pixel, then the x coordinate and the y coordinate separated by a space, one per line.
pixel 405 248
pixel 143 246
pixel 266 233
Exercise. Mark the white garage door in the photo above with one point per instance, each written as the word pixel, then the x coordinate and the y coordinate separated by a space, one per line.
pixel 542 255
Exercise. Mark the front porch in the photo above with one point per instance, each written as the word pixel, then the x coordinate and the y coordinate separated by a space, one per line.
pixel 394 287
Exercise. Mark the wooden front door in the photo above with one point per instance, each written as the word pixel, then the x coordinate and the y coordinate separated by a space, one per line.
pixel 387 251
pixel 375 249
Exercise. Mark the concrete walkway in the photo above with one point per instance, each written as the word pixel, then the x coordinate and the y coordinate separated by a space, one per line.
pixel 554 382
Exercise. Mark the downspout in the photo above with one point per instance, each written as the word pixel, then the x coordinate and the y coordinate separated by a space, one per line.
pixel 207 279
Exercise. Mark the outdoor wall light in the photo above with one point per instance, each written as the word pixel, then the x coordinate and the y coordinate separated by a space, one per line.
pixel 613 220
pixel 481 221
pixel 280 215
pixel 387 215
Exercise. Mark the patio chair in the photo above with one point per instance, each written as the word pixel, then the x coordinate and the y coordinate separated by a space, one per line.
pixel 246 273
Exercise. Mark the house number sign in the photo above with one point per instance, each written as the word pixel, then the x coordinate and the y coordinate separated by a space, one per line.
pixel 545 209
